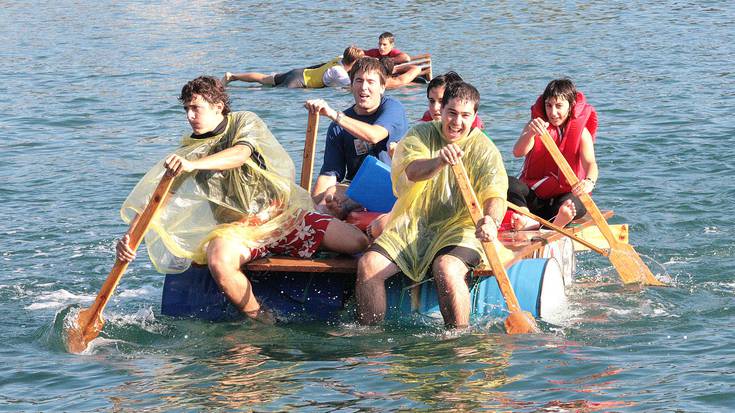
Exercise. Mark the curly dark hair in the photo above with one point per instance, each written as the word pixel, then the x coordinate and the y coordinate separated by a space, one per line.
pixel 209 88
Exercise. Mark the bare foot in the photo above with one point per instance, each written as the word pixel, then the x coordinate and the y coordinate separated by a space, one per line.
pixel 566 213
pixel 227 78
pixel 522 223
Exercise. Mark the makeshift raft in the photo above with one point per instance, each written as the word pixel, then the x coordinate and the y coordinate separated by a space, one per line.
pixel 423 61
pixel 321 288
pixel 543 264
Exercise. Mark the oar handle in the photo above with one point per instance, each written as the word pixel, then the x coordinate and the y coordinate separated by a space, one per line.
pixel 307 163
pixel 557 228
pixel 136 233
pixel 501 276
pixel 572 179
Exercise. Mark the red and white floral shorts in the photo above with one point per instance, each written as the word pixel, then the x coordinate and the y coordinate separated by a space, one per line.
pixel 302 242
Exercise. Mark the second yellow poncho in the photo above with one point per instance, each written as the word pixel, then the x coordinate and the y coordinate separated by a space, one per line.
pixel 430 215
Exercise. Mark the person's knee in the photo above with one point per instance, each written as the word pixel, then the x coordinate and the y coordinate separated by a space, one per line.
pixel 370 268
pixel 222 256
pixel 344 238
pixel 449 270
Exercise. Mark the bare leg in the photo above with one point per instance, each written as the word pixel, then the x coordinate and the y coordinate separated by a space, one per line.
pixel 261 78
pixel 566 213
pixel 344 238
pixel 225 259
pixel 454 295
pixel 372 271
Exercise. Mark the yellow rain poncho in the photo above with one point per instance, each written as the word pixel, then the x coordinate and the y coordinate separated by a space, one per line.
pixel 430 215
pixel 255 204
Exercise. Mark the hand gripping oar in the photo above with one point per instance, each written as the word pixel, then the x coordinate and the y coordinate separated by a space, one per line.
pixel 623 257
pixel 518 322
pixel 558 229
pixel 89 323
pixel 307 164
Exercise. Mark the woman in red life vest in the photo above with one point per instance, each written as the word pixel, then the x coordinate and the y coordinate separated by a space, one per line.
pixel 572 123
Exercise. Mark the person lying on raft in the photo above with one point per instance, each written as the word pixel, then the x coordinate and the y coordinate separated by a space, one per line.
pixel 334 73
pixel 563 111
pixel 234 200
pixel 361 130
pixel 386 48
pixel 398 79
pixel 430 227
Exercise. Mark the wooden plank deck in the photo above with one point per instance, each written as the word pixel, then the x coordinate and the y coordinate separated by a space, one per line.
pixel 523 244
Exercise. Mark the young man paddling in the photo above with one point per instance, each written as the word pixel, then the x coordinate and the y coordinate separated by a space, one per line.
pixel 234 200
pixel 430 228
pixel 363 129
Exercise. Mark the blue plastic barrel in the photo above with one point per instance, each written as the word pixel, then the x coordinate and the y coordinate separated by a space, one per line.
pixel 372 187
pixel 538 284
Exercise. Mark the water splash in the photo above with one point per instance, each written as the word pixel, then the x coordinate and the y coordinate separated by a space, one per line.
pixel 664 277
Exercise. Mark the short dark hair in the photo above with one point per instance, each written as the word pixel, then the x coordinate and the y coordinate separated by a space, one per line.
pixel 443 80
pixel 388 63
pixel 366 65
pixel 560 88
pixel 387 35
pixel 462 91
pixel 209 88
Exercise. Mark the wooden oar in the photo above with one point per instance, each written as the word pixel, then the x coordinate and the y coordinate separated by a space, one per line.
pixel 518 322
pixel 89 323
pixel 558 229
pixel 623 257
pixel 307 164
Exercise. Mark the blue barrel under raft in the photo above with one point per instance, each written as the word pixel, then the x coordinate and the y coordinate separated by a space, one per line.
pixel 538 284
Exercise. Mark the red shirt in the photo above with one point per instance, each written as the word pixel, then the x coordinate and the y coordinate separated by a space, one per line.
pixel 376 53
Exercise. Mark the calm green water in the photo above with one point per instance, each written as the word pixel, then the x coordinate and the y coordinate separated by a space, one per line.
pixel 89 103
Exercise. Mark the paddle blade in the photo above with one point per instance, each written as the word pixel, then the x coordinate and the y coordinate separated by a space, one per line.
pixel 630 266
pixel 84 329
pixel 521 322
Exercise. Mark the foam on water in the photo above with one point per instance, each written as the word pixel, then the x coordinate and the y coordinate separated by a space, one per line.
pixel 147 291
pixel 57 299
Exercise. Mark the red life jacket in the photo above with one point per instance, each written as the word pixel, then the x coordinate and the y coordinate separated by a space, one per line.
pixel 539 169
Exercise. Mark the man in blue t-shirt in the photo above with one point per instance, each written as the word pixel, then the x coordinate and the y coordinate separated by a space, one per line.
pixel 363 129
